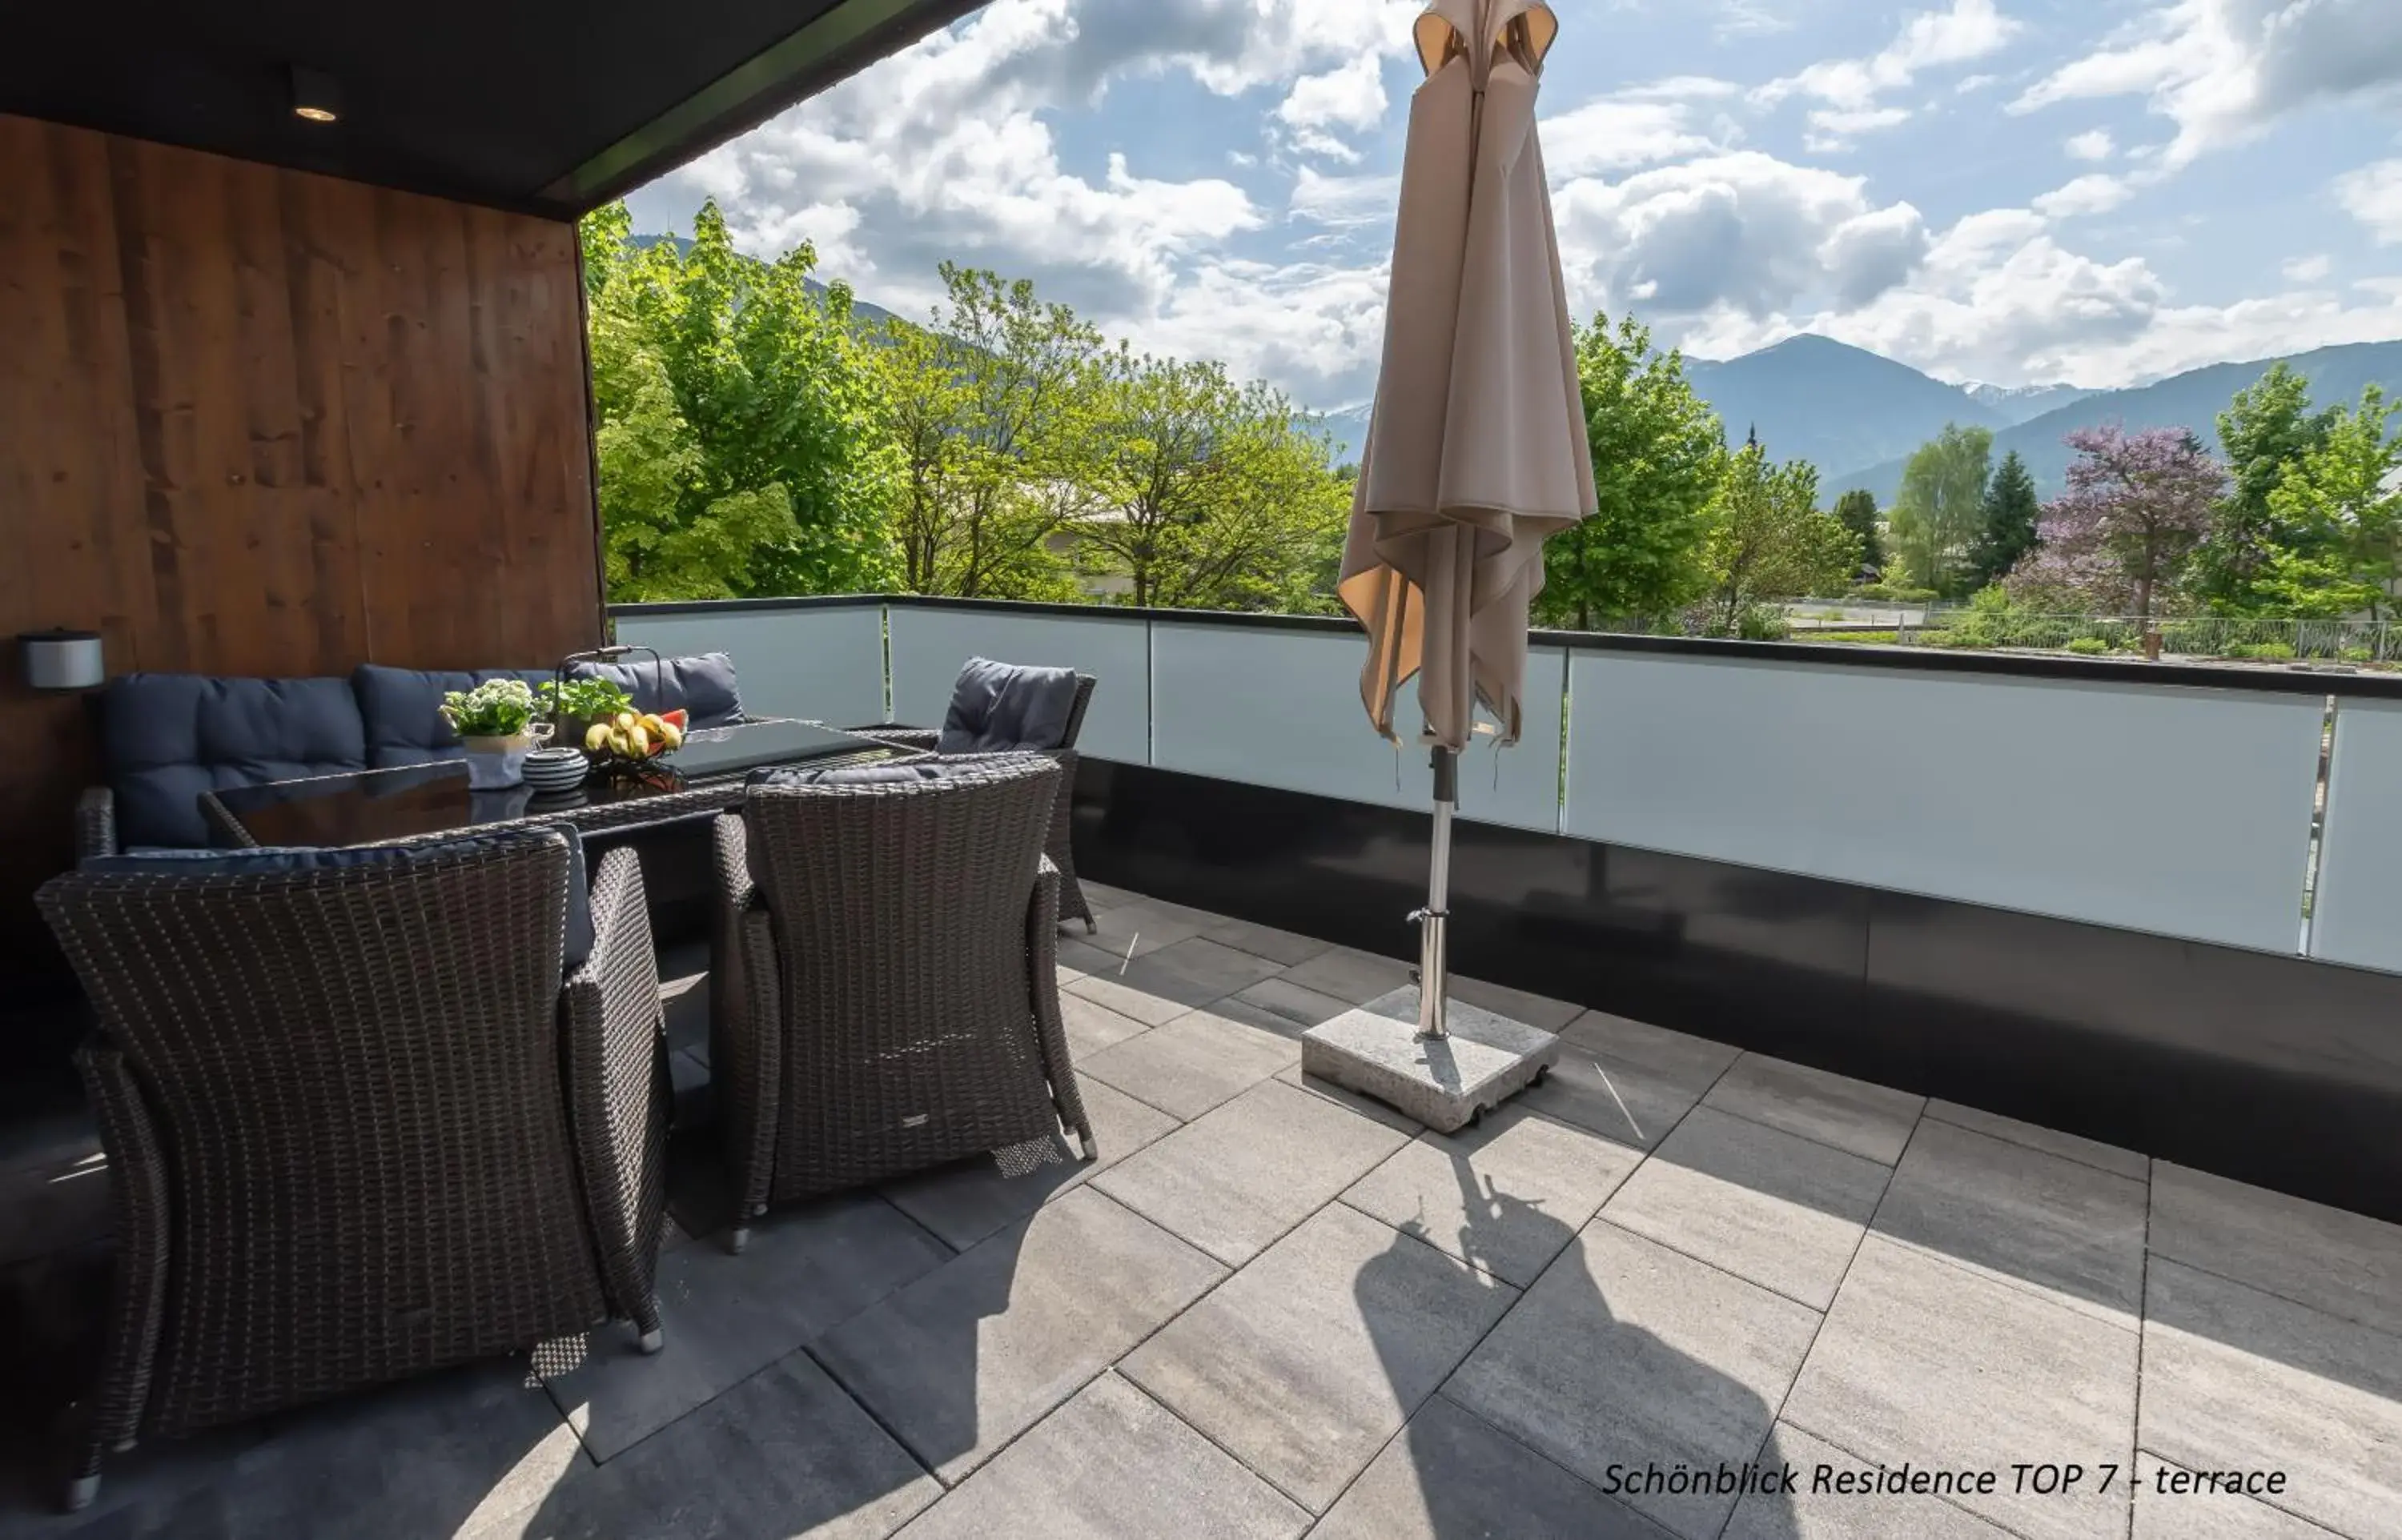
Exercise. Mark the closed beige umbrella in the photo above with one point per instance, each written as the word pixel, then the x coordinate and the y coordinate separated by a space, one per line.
pixel 1476 448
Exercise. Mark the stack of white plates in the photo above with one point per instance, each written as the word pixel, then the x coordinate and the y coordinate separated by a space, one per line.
pixel 551 771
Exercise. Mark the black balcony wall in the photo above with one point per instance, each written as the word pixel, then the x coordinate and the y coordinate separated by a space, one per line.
pixel 2268 1070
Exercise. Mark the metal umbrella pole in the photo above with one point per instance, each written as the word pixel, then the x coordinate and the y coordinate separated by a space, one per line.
pixel 1435 963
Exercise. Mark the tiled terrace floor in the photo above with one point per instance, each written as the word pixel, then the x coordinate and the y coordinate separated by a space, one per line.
pixel 1274 1312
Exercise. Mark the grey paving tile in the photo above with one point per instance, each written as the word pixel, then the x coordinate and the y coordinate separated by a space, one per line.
pixel 1307 1360
pixel 1235 1179
pixel 2092 1152
pixel 967 1357
pixel 1871 1121
pixel 727 1317
pixel 2022 1215
pixel 1161 985
pixel 1092 1027
pixel 784 1453
pixel 1764 1205
pixel 1282 947
pixel 1304 1007
pixel 1146 925
pixel 2330 1258
pixel 1626 1080
pixel 1924 1361
pixel 2183 1511
pixel 1519 1006
pixel 1451 1474
pixel 1809 1514
pixel 1100 895
pixel 2237 1377
pixel 1507 1197
pixel 1112 1464
pixel 1354 976
pixel 1626 1353
pixel 1343 1096
pixel 439 1455
pixel 965 1202
pixel 1193 1063
pixel 1078 958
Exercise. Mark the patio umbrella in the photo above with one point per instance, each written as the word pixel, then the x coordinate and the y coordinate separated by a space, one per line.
pixel 1476 448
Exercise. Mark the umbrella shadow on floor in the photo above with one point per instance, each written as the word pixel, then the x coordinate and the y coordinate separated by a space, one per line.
pixel 1521 1432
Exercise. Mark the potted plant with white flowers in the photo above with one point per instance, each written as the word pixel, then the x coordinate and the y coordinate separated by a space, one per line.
pixel 495 720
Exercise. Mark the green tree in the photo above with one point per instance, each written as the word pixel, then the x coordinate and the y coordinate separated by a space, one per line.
pixel 1857 511
pixel 739 448
pixel 1657 453
pixel 2339 504
pixel 1205 493
pixel 1941 506
pixel 986 407
pixel 1769 540
pixel 2267 428
pixel 2011 512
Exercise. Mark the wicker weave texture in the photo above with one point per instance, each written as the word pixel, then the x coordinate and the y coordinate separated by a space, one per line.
pixel 911 977
pixel 346 1092
pixel 1060 842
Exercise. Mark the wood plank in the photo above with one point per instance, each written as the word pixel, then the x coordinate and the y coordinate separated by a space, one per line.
pixel 268 422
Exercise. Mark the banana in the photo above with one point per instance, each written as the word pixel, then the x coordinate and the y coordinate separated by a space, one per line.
pixel 670 735
pixel 596 736
pixel 640 740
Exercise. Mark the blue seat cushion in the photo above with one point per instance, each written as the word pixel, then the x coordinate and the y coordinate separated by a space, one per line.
pixel 276 860
pixel 168 738
pixel 402 709
pixel 997 707
pixel 703 687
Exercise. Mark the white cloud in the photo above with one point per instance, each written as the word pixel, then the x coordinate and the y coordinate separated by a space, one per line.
pixel 2307 269
pixel 2093 144
pixel 1972 29
pixel 1617 134
pixel 2091 193
pixel 1743 232
pixel 1833 128
pixel 1351 97
pixel 1345 202
pixel 1680 87
pixel 2221 70
pixel 2373 196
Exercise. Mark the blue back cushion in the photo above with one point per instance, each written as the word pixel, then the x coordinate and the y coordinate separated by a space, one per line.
pixel 401 709
pixel 996 707
pixel 236 863
pixel 703 686
pixel 168 738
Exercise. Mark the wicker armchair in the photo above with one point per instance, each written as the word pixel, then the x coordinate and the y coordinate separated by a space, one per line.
pixel 358 1128
pixel 884 980
pixel 1058 845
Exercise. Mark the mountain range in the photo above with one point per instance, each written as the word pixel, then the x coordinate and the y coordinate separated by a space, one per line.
pixel 1858 414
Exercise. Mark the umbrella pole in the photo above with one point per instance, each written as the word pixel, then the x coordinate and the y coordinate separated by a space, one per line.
pixel 1434 963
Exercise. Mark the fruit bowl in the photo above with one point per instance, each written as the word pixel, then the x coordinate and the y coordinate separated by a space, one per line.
pixel 631 742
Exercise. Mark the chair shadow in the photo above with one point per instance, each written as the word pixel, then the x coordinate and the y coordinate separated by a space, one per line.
pixel 1477 1480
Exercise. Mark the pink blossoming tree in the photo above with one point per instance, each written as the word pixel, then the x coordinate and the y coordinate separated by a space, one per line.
pixel 2136 506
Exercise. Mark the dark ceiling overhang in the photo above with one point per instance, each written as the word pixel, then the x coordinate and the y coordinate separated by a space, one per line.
pixel 548 106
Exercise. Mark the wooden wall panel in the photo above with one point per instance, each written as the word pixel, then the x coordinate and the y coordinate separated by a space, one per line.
pixel 260 422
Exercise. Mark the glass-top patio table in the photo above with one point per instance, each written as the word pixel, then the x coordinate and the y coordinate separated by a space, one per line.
pixel 372 806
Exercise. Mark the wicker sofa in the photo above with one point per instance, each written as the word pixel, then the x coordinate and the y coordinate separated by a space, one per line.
pixel 165 738
pixel 883 976
pixel 367 1114
pixel 997 707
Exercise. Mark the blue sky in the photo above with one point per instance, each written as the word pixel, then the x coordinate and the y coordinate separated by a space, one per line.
pixel 2020 191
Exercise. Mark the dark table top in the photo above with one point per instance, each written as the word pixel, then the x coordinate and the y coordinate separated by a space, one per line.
pixel 370 807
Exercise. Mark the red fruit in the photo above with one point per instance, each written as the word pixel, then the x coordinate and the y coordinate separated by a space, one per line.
pixel 680 717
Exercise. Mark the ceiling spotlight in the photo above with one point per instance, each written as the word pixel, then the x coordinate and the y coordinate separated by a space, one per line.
pixel 314 95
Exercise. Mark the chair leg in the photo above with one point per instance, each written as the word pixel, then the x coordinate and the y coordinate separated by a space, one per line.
pixel 739 1239
pixel 81 1491
pixel 1091 928
pixel 652 1337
